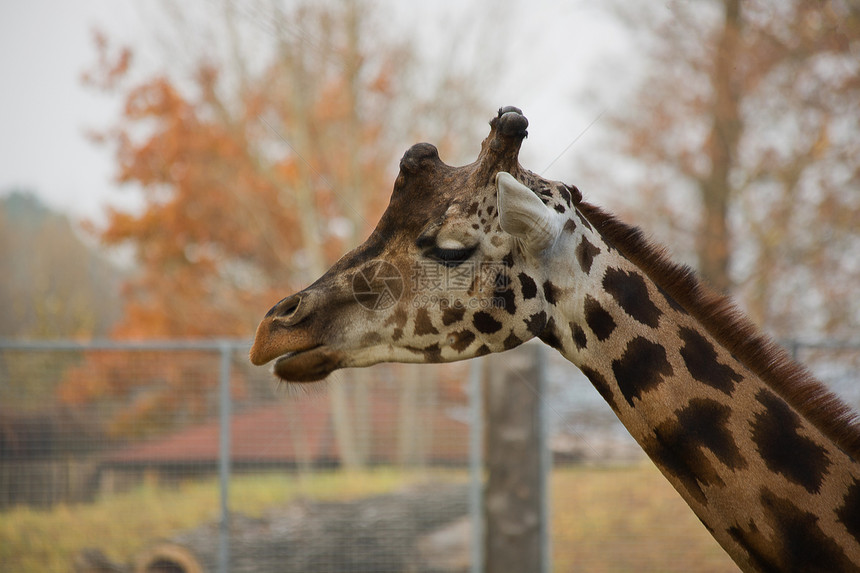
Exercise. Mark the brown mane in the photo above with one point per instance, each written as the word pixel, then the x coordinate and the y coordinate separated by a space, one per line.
pixel 734 330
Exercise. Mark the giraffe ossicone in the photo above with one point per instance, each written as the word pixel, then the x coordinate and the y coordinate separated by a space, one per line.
pixel 485 256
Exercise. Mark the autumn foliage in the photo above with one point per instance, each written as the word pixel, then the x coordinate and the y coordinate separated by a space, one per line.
pixel 221 230
pixel 744 136
pixel 255 175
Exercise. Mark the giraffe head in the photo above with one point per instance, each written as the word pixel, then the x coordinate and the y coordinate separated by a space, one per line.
pixel 454 269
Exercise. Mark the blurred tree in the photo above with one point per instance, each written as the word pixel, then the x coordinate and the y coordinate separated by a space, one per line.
pixel 258 168
pixel 256 175
pixel 54 285
pixel 744 134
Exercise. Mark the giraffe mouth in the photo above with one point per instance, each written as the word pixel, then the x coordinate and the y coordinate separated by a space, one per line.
pixel 307 365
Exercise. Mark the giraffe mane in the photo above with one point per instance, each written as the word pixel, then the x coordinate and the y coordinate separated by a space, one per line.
pixel 731 328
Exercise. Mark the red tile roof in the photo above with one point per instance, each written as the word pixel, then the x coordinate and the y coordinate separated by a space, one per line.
pixel 296 429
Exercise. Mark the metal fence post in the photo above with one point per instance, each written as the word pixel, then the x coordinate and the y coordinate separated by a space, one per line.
pixel 225 350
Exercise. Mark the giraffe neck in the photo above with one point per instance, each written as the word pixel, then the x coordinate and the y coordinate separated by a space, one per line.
pixel 757 448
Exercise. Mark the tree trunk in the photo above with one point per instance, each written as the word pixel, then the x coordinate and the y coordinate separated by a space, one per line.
pixel 299 438
pixel 514 490
pixel 362 392
pixel 409 428
pixel 713 239
pixel 300 137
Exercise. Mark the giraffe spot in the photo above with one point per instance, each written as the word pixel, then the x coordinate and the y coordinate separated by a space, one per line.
pixel 398 318
pixel 550 292
pixel 705 421
pixel 584 221
pixel 536 322
pixel 485 322
pixel 601 385
pixel 678 445
pixel 501 282
pixel 512 341
pixel 490 210
pixel 550 336
pixel 700 358
pixel 477 284
pixel 423 324
pixel 565 194
pixel 508 260
pixel 495 240
pixel 507 300
pixel 665 453
pixel 849 512
pixel 631 293
pixel 560 209
pixel 461 340
pixel 528 286
pixel 672 302
pixel 579 338
pixel 476 226
pixel 783 449
pixel 453 314
pixel 795 540
pixel 482 350
pixel 751 540
pixel 598 319
pixel 569 226
pixel 432 353
pixel 472 210
pixel 641 368
pixel 585 253
pixel 371 338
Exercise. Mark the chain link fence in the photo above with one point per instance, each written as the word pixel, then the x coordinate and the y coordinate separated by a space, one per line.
pixel 123 454
pixel 118 457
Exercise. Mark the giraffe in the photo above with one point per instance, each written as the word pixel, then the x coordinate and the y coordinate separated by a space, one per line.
pixel 761 451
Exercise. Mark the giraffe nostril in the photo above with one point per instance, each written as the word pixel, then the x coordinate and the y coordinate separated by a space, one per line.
pixel 290 308
pixel 286 307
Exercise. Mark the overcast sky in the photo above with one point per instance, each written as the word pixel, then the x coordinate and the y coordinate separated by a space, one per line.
pixel 45 45
pixel 44 111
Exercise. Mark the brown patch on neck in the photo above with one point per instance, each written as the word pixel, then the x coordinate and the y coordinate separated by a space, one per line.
pixel 732 329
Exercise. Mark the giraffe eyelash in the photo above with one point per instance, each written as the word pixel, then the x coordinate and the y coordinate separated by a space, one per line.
pixel 451 257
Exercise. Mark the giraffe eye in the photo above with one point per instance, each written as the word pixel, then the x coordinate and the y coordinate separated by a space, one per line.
pixel 451 257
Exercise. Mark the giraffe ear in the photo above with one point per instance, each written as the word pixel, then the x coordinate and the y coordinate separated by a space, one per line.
pixel 523 214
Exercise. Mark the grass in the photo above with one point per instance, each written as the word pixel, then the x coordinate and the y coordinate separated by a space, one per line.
pixel 607 520
pixel 33 540
pixel 603 520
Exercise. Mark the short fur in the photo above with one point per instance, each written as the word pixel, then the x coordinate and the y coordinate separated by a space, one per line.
pixel 734 330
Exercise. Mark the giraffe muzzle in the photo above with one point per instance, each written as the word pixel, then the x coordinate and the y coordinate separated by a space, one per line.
pixel 310 365
pixel 284 332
